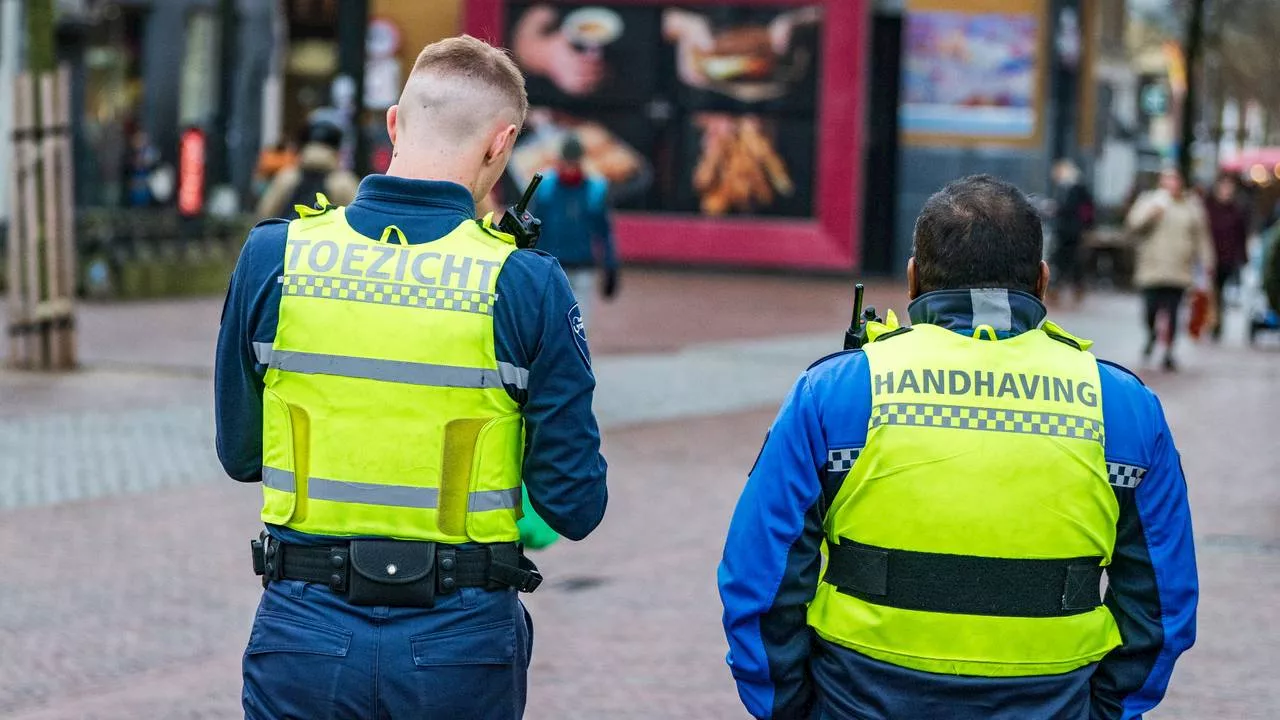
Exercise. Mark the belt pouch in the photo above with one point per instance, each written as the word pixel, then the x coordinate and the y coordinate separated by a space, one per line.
pixel 396 573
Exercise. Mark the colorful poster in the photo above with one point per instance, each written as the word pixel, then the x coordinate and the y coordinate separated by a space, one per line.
pixel 971 75
pixel 708 110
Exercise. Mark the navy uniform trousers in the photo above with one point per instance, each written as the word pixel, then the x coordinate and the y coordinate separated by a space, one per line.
pixel 313 656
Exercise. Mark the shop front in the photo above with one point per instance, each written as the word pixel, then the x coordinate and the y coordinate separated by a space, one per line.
pixel 730 131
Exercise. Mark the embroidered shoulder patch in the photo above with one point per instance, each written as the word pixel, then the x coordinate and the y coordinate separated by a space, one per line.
pixel 579 333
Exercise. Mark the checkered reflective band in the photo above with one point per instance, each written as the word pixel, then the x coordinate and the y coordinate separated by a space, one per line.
pixel 842 460
pixel 1124 476
pixel 388 293
pixel 963 417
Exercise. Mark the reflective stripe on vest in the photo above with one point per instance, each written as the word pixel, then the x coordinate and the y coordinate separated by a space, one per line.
pixel 979 454
pixel 392 370
pixel 386 411
pixel 391 495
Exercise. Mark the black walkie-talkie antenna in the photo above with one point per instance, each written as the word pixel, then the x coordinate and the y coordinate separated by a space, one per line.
pixel 518 223
pixel 853 336
pixel 527 198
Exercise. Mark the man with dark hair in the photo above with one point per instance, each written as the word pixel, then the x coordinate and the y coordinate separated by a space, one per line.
pixel 954 476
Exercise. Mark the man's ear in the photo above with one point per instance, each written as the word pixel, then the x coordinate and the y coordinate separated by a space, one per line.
pixel 393 114
pixel 1042 282
pixel 501 145
pixel 913 281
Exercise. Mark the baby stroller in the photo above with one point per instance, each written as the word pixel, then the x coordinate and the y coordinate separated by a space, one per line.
pixel 1264 306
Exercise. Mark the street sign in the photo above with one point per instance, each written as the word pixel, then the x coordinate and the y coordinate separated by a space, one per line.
pixel 1155 100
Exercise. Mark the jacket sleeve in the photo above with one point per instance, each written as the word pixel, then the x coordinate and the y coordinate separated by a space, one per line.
pixel 1143 213
pixel 237 375
pixel 769 571
pixel 538 328
pixel 1152 586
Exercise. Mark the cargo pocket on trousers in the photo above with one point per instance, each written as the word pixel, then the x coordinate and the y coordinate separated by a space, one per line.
pixel 292 667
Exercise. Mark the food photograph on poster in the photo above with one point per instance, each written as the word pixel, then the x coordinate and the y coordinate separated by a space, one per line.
pixel 584 55
pixel 615 146
pixel 701 115
pixel 748 165
pixel 763 58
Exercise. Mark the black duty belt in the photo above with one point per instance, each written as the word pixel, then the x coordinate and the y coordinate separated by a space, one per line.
pixel 395 572
pixel 965 584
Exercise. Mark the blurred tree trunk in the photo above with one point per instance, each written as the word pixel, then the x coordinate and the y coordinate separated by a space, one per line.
pixel 1190 105
pixel 40 49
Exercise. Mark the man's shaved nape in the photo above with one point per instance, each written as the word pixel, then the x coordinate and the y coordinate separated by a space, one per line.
pixel 456 85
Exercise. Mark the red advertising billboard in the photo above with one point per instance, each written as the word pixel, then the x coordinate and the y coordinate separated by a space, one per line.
pixel 729 130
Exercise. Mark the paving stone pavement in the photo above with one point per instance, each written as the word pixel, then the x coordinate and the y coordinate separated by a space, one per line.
pixel 126 594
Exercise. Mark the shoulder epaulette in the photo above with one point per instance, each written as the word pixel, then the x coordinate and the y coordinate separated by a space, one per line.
pixel 269 221
pixel 1122 369
pixel 833 356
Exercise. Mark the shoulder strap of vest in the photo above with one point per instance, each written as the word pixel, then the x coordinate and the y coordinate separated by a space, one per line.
pixel 322 206
pixel 877 330
pixel 486 224
pixel 1055 331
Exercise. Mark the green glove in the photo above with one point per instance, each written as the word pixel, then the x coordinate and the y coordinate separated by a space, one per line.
pixel 535 533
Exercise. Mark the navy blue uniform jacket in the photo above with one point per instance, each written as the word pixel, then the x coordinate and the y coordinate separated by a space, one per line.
pixel 771 562
pixel 535 329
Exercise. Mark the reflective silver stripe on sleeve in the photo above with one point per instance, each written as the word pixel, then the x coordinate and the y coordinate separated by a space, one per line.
pixel 371 494
pixel 277 479
pixel 494 500
pixel 263 351
pixel 512 375
pixel 398 371
pixel 991 307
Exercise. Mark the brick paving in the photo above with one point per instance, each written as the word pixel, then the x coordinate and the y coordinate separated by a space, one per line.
pixel 113 606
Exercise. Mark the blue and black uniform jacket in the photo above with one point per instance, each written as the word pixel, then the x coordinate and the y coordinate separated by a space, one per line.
pixel 536 328
pixel 769 572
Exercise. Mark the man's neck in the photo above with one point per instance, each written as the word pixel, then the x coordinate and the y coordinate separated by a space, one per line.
pixel 399 168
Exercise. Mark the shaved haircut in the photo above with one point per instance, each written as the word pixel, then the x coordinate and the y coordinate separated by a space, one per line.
pixel 458 86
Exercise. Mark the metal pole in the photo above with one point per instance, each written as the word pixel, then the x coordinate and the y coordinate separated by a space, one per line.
pixel 353 27
pixel 220 151
pixel 1195 44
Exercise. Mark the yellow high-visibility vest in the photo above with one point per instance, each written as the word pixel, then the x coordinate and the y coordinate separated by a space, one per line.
pixel 977 452
pixel 384 412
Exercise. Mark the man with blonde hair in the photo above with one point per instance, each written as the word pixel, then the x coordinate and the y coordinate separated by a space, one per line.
pixel 393 373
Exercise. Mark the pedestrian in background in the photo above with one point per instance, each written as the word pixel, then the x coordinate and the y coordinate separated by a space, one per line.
pixel 574 207
pixel 1073 216
pixel 924 532
pixel 271 161
pixel 1173 242
pixel 1229 220
pixel 317 171
pixel 392 373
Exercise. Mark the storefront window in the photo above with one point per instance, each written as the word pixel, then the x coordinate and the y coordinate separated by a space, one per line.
pixel 198 97
pixel 112 106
